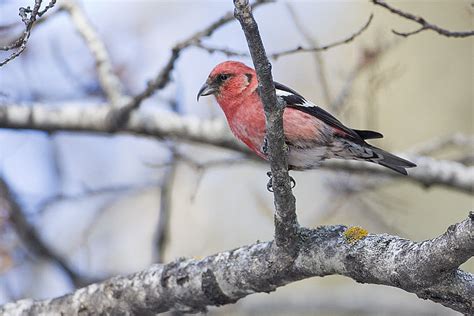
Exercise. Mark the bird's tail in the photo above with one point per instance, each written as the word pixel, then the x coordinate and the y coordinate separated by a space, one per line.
pixel 391 161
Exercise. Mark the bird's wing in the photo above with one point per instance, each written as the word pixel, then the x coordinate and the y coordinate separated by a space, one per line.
pixel 296 101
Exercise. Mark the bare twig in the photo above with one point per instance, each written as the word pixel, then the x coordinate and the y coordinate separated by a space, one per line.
pixel 214 49
pixel 89 193
pixel 300 49
pixel 318 57
pixel 164 76
pixel 428 269
pixel 425 25
pixel 369 57
pixel 20 43
pixel 166 190
pixel 109 82
pixel 31 238
pixel 162 232
pixel 229 52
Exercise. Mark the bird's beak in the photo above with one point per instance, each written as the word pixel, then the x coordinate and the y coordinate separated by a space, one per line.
pixel 205 90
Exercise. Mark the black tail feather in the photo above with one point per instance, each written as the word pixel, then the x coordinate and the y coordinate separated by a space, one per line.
pixel 368 134
pixel 392 162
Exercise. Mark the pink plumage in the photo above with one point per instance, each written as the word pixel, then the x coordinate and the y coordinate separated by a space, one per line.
pixel 312 134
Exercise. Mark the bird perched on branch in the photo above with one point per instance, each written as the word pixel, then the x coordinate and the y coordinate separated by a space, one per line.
pixel 312 134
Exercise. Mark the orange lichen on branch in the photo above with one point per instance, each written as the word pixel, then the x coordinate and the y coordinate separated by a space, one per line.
pixel 355 233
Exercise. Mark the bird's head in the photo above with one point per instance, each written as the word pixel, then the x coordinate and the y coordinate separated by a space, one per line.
pixel 228 81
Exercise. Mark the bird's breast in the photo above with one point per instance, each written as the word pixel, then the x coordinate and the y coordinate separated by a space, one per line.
pixel 248 125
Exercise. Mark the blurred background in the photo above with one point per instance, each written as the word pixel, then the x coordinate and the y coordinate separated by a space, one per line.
pixel 113 204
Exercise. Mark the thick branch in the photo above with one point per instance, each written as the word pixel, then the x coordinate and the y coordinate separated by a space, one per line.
pixel 424 25
pixel 428 269
pixel 286 224
pixel 161 124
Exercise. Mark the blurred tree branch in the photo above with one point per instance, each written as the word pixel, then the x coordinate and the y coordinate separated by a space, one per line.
pixel 121 117
pixel 425 25
pixel 164 124
pixel 438 144
pixel 428 269
pixel 32 240
pixel 29 21
pixel 109 82
pixel 320 64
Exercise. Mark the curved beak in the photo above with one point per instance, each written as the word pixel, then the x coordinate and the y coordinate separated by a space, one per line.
pixel 205 90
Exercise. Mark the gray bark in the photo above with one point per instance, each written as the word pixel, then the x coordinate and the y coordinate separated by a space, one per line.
pixel 286 224
pixel 428 269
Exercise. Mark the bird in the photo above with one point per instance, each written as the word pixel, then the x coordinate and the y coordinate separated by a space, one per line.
pixel 311 133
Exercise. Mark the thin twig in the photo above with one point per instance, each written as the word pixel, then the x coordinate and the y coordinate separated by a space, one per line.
pixel 318 57
pixel 162 231
pixel 32 239
pixel 230 52
pixel 214 49
pixel 164 76
pixel 300 49
pixel 21 42
pixel 424 25
pixel 369 57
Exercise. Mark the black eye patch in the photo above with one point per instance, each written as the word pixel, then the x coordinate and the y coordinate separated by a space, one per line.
pixel 222 77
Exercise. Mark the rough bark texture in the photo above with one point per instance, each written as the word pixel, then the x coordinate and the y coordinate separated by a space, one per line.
pixel 428 269
pixel 286 224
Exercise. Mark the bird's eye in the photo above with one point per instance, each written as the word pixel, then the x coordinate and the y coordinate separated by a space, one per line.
pixel 224 77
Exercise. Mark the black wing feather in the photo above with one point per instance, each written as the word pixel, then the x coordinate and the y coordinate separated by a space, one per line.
pixel 297 101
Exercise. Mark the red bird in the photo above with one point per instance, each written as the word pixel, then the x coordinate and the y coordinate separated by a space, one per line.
pixel 311 133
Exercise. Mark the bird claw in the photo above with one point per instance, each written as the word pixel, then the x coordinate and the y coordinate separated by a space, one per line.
pixel 270 182
pixel 265 147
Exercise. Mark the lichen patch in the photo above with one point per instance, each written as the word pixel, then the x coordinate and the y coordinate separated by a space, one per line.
pixel 355 233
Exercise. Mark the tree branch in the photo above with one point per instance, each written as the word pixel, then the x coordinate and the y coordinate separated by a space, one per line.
pixel 325 47
pixel 427 269
pixel 109 82
pixel 318 56
pixel 31 239
pixel 164 124
pixel 229 52
pixel 286 224
pixel 164 76
pixel 21 42
pixel 425 25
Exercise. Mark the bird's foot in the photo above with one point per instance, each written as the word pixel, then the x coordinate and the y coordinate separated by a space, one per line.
pixel 270 182
pixel 265 147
